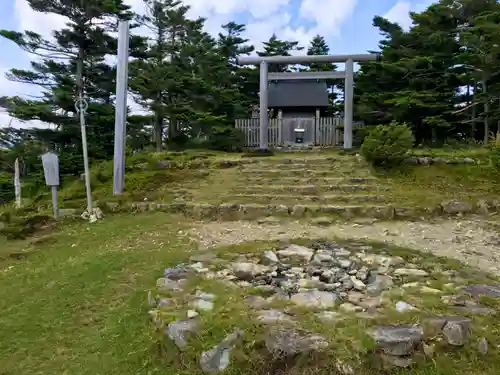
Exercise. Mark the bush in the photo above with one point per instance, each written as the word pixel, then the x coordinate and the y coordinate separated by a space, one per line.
pixel 225 138
pixel 387 144
pixel 360 133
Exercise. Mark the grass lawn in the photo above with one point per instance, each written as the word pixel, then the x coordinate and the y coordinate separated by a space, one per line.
pixel 77 305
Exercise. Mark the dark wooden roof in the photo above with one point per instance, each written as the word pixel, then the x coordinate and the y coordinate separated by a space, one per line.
pixel 300 93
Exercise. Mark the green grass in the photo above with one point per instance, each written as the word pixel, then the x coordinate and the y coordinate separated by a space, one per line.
pixel 76 304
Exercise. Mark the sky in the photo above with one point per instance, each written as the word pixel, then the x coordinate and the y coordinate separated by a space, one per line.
pixel 346 25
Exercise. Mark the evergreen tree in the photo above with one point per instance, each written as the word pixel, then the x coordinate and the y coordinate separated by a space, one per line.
pixel 277 47
pixel 80 47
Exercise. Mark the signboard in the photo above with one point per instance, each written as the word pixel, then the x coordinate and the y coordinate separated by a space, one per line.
pixel 50 163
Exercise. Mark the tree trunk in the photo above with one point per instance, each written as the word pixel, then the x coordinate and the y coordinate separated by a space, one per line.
pixel 486 111
pixel 158 131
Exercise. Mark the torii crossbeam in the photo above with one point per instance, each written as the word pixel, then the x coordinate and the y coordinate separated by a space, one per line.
pixel 349 61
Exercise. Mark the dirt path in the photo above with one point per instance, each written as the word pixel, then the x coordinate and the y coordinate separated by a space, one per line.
pixel 472 241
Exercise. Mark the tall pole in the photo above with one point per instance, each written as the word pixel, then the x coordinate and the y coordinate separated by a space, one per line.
pixel 17 183
pixel 264 117
pixel 121 108
pixel 348 103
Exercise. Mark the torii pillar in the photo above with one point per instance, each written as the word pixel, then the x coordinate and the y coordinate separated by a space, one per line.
pixel 348 75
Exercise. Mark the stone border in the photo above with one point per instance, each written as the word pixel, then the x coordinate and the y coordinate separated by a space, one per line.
pixel 429 160
pixel 234 211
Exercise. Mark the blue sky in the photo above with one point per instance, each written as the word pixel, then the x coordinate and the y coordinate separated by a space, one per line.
pixel 346 24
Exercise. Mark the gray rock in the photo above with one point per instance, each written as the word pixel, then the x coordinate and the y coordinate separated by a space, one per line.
pixel 347 284
pixel 478 290
pixel 200 304
pixel 453 207
pixel 269 257
pixel 273 316
pixel 329 316
pixel 457 330
pixel 290 341
pixel 391 361
pixel 315 299
pixel 322 258
pixel 378 284
pixel 298 210
pixel 358 284
pixel 397 340
pixel 176 273
pixel 482 346
pixel 322 221
pixel 248 271
pixel 410 272
pixel 163 302
pixel 170 285
pixel 217 359
pixel 433 326
pixel 204 258
pixel 180 330
pixel 345 263
pixel 297 252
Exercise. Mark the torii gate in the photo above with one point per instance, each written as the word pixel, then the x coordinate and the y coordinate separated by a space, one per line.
pixel 348 75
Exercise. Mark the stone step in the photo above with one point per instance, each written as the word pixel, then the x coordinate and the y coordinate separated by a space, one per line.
pixel 305 172
pixel 308 189
pixel 296 199
pixel 320 167
pixel 308 160
pixel 236 211
pixel 255 179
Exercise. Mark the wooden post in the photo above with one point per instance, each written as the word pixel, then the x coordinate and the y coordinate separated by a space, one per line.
pixel 316 126
pixel 280 127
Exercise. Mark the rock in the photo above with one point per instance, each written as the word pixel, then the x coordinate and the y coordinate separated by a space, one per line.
pixel 298 211
pixel 433 326
pixel 349 307
pixel 204 258
pixel 397 340
pixel 429 350
pixel 296 252
pixel 248 271
pixel 410 272
pixel 170 285
pixel 358 284
pixel 402 306
pixel 269 257
pixel 482 346
pixel 457 330
pixel 163 302
pixel 347 284
pixel 217 359
pixel 290 341
pixel 322 221
pixel 329 316
pixel 192 314
pixel 453 207
pixel 345 263
pixel 203 301
pixel 478 290
pixel 180 330
pixel 176 273
pixel 273 316
pixel 322 258
pixel 390 361
pixel 315 299
pixel 378 284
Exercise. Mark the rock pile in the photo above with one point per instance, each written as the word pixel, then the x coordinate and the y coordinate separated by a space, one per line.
pixel 323 277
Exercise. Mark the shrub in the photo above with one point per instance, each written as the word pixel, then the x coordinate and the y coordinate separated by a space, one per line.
pixel 225 138
pixel 359 134
pixel 387 144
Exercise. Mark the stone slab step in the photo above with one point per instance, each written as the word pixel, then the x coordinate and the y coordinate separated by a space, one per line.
pixel 253 179
pixel 305 172
pixel 308 189
pixel 309 161
pixel 339 198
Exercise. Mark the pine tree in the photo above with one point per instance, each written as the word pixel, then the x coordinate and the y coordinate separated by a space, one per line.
pixel 85 40
pixel 277 47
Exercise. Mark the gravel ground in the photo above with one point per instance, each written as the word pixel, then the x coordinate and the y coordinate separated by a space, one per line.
pixel 472 241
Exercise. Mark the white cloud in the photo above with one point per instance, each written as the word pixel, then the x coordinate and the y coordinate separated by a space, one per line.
pixel 328 15
pixel 400 12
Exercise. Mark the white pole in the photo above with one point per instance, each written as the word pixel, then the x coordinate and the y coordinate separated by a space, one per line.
pixel 55 202
pixel 348 103
pixel 264 117
pixel 82 108
pixel 17 183
pixel 121 108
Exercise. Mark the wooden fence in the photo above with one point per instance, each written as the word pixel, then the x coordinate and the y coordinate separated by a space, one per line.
pixel 327 131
